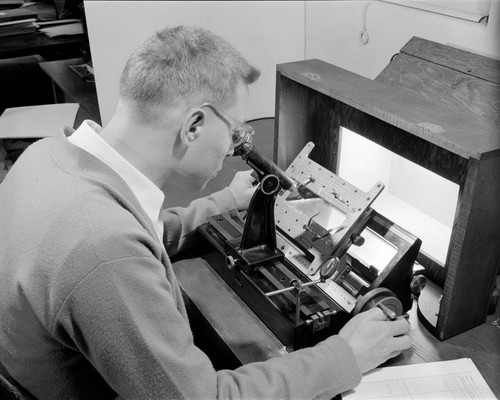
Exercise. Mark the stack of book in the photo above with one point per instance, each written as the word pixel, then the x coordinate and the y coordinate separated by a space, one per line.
pixel 62 27
pixel 10 4
pixel 17 21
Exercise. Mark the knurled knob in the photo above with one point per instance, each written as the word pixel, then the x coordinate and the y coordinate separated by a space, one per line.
pixel 418 283
pixel 357 240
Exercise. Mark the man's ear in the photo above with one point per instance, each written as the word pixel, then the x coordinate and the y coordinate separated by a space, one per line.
pixel 192 126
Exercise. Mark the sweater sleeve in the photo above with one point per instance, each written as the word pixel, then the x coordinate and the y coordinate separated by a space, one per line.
pixel 180 222
pixel 123 317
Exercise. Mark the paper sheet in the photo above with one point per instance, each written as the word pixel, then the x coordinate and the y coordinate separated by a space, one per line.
pixel 456 379
pixel 75 28
pixel 36 121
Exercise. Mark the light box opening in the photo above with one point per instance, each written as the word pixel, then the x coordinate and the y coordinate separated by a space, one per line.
pixel 415 198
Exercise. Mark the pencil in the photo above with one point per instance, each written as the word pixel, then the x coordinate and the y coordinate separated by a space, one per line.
pixel 391 315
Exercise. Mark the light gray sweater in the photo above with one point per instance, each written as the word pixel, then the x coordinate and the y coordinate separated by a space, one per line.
pixel 89 304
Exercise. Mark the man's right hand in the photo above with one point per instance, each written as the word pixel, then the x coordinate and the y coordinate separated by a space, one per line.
pixel 373 339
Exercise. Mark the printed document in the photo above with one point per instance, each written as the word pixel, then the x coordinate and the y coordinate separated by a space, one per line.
pixel 443 380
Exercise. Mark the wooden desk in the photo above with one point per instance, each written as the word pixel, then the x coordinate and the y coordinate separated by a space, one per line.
pixel 37 43
pixel 230 333
pixel 69 88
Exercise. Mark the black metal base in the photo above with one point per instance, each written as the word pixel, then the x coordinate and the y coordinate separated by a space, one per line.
pixel 319 316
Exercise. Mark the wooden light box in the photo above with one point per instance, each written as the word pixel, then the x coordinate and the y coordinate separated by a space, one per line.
pixel 426 122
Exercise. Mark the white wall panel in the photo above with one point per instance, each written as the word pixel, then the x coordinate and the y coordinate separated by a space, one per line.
pixel 266 32
pixel 272 32
pixel 333 32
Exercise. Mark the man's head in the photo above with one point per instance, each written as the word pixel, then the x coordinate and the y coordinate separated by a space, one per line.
pixel 184 64
pixel 166 83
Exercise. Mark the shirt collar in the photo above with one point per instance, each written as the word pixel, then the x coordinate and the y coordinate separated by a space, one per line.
pixel 147 193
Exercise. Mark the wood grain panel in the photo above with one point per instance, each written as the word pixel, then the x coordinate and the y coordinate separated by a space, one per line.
pixel 472 64
pixel 474 253
pixel 306 115
pixel 475 99
pixel 432 122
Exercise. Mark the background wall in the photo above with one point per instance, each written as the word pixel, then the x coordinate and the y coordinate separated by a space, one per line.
pixel 271 32
pixel 267 33
pixel 333 32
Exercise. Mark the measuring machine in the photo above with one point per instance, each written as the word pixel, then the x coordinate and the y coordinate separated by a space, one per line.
pixel 311 253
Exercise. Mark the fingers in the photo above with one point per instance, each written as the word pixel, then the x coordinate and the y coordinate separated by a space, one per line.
pixel 401 343
pixel 375 314
pixel 247 174
pixel 399 327
pixel 393 354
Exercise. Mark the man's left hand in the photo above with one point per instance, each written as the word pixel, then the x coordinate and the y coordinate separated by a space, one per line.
pixel 242 187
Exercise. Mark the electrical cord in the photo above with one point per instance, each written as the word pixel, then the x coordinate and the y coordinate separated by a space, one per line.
pixel 363 35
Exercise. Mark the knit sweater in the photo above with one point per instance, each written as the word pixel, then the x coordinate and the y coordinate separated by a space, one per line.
pixel 90 307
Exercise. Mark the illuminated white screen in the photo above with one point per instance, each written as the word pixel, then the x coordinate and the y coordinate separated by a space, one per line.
pixel 322 213
pixel 415 198
pixel 375 251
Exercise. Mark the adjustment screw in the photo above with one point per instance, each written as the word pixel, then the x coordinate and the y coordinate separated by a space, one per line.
pixel 357 240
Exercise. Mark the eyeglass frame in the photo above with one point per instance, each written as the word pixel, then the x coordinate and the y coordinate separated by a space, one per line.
pixel 235 127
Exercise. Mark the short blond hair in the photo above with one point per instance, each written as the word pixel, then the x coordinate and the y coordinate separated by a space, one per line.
pixel 187 64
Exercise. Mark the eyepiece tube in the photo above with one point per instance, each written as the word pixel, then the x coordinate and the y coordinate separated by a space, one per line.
pixel 262 165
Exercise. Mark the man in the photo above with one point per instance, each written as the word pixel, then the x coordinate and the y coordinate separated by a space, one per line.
pixel 89 303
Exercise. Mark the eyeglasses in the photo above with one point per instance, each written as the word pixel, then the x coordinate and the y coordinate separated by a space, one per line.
pixel 239 132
